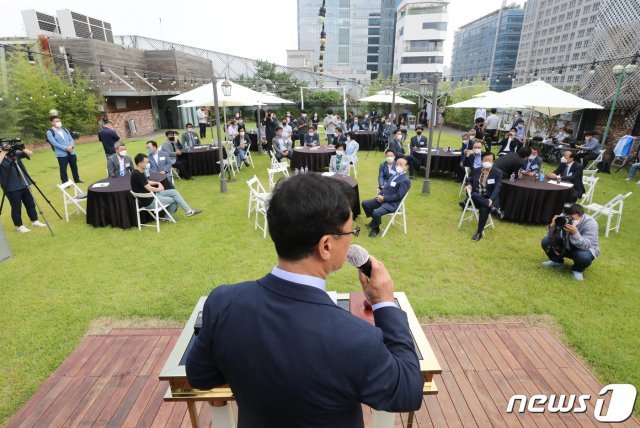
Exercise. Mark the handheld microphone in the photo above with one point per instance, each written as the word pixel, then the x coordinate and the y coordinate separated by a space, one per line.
pixel 358 257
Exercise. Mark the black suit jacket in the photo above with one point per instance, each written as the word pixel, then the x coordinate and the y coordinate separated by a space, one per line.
pixel 509 164
pixel 575 177
pixel 515 144
pixel 494 183
pixel 295 359
pixel 418 142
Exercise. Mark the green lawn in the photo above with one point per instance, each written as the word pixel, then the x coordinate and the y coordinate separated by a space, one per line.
pixel 53 288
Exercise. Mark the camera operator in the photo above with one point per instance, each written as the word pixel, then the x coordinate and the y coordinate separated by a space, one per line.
pixel 15 189
pixel 62 143
pixel 574 235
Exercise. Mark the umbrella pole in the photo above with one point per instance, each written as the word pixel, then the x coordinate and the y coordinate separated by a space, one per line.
pixel 526 132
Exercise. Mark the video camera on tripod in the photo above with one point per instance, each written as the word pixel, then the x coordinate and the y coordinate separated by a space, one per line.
pixel 11 146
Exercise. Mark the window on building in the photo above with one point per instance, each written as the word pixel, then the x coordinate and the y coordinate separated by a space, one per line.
pixel 589 31
pixel 595 6
pixel 374 40
pixel 440 26
pixel 422 60
pixel 373 49
pixel 372 58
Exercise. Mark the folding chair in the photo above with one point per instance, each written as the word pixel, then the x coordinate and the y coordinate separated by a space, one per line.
pixel 590 186
pixel 470 206
pixel 609 210
pixel 261 210
pixel 401 210
pixel 593 165
pixel 257 194
pixel 467 173
pixel 154 209
pixel 72 195
pixel 284 169
pixel 275 163
pixel 354 164
pixel 249 158
pixel 174 173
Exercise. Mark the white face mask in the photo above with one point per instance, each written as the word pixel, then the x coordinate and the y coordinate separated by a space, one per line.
pixel 400 169
pixel 242 134
pixel 58 124
pixel 390 159
pixel 532 157
pixel 563 160
pixel 487 165
pixel 123 153
pixel 477 151
pixel 147 166
pixel 339 153
pixel 189 129
pixel 311 133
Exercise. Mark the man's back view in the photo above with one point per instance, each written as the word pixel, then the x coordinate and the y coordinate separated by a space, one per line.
pixel 291 356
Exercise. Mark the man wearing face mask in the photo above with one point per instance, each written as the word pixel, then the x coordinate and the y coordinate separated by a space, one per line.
pixel 571 171
pixel 517 119
pixel 281 145
pixel 473 158
pixel 355 126
pixel 509 143
pixel 388 198
pixel 418 141
pixel 64 147
pixel 484 185
pixel 159 161
pixel 119 164
pixel 241 143
pixel 511 163
pixel 190 139
pixel 398 148
pixel 174 149
pixel 533 163
pixel 590 150
pixel 339 163
pixel 311 138
pixel 302 126
pixel 366 122
pixel 338 137
pixel 387 169
pixel 577 240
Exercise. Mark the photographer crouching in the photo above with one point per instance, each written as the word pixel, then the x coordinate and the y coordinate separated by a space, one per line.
pixel 573 235
pixel 14 186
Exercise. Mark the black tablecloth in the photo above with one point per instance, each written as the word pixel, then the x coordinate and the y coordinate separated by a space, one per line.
pixel 203 161
pixel 445 161
pixel 366 139
pixel 315 160
pixel 355 207
pixel 114 205
pixel 528 201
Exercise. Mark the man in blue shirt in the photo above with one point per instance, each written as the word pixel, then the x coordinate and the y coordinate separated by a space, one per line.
pixel 64 147
pixel 590 148
pixel 108 137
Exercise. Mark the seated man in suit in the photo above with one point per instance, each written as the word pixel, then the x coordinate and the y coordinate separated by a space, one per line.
pixel 119 164
pixel 190 139
pixel 484 185
pixel 571 171
pixel 590 150
pixel 511 163
pixel 159 161
pixel 241 142
pixel 398 148
pixel 174 149
pixel 355 125
pixel 509 143
pixel 387 169
pixel 327 362
pixel 338 137
pixel 169 197
pixel 311 138
pixel 472 158
pixel 281 145
pixel 339 163
pixel 533 163
pixel 418 141
pixel 388 198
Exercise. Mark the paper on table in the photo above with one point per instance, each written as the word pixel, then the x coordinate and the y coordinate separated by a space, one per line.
pixel 328 174
pixel 100 185
pixel 562 183
pixel 315 148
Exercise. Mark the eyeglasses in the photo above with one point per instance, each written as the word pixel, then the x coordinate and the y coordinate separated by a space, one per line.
pixel 354 232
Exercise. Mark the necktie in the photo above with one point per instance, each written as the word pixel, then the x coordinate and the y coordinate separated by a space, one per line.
pixel 173 147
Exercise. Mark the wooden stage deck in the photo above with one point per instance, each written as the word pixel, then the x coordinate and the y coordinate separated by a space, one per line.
pixel 112 380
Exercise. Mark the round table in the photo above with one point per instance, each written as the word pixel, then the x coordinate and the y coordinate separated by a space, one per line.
pixel 355 205
pixel 444 161
pixel 366 139
pixel 114 205
pixel 203 160
pixel 315 159
pixel 533 202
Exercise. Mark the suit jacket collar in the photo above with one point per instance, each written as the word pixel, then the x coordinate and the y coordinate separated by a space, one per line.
pixel 295 291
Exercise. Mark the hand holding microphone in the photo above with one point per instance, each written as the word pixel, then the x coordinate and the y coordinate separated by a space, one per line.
pixel 376 281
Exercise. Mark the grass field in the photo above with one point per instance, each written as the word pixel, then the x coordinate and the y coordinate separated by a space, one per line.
pixel 53 288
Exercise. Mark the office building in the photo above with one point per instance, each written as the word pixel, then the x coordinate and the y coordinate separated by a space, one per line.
pixel 487 48
pixel 421 28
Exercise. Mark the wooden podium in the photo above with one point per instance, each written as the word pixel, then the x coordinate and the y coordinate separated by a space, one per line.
pixel 219 398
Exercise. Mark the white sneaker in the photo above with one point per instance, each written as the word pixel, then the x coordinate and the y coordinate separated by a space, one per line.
pixel 627 179
pixel 638 182
pixel 38 224
pixel 551 263
pixel 23 229
pixel 578 275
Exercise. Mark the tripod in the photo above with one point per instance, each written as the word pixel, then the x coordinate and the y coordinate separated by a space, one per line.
pixel 23 175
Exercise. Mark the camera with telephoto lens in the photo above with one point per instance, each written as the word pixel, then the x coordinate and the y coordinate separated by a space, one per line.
pixel 11 146
pixel 565 218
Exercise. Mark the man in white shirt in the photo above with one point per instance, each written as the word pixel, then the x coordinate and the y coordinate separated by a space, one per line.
pixel 202 121
pixel 491 126
pixel 119 164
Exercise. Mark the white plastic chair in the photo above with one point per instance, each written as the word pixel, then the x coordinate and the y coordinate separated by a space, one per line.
pixel 284 169
pixel 257 194
pixel 72 195
pixel 401 211
pixel 470 206
pixel 275 163
pixel 231 161
pixel 610 210
pixel 590 187
pixel 261 210
pixel 354 165
pixel 154 209
pixel 467 173
pixel 593 165
pixel 174 173
pixel 249 158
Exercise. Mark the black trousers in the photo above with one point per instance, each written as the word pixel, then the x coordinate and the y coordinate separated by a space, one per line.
pixel 72 161
pixel 586 158
pixel 482 204
pixel 16 199
pixel 203 130
pixel 182 165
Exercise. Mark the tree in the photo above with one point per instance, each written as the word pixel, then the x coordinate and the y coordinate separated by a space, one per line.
pixel 463 117
pixel 324 99
pixel 279 82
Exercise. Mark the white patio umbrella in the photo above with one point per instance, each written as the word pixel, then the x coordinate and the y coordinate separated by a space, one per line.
pixel 485 94
pixel 272 99
pixel 381 97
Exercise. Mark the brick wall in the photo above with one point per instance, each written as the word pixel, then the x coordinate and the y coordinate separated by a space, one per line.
pixel 144 122
pixel 623 119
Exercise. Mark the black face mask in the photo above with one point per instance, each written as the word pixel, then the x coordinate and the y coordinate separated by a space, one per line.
pixel 172 138
pixel 419 132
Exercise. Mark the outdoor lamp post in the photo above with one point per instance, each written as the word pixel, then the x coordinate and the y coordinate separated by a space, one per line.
pixel 424 86
pixel 620 72
pixel 226 90
pixel 426 185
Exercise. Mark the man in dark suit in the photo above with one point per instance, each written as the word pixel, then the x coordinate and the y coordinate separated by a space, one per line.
pixel 174 149
pixel 108 137
pixel 418 141
pixel 338 137
pixel 511 163
pixel 533 164
pixel 509 143
pixel 387 169
pixel 388 198
pixel 398 148
pixel 159 161
pixel 119 164
pixel 190 139
pixel 484 185
pixel 317 363
pixel 571 171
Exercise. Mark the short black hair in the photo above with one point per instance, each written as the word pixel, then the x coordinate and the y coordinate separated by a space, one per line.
pixel 397 130
pixel 568 130
pixel 351 135
pixel 485 154
pixel 303 112
pixel 339 129
pixel 153 143
pixel 303 209
pixel 524 152
pixel 589 133
pixel 339 144
pixel 188 125
pixel 493 110
pixel 329 111
pixel 519 111
pixel 139 158
pixel 479 119
pixel 574 208
pixel 278 128
pixel 390 151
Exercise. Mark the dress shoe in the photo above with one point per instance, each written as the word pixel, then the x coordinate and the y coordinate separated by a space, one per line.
pixel 477 236
pixel 368 225
pixel 79 182
pixel 246 162
pixel 498 212
pixel 191 213
pixel 374 232
pixel 462 204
